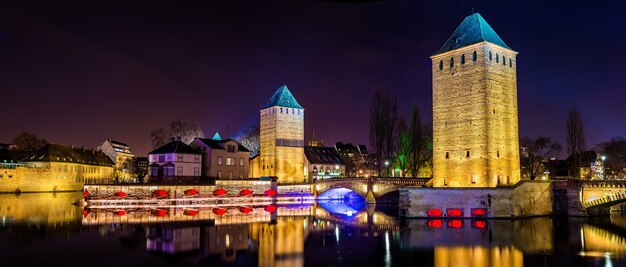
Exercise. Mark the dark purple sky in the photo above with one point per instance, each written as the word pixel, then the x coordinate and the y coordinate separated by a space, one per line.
pixel 79 72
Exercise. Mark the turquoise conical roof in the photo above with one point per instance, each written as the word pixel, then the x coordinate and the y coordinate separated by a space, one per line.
pixel 283 98
pixel 217 136
pixel 473 29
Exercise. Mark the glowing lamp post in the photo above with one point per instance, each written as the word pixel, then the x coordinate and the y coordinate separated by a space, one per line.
pixel 387 167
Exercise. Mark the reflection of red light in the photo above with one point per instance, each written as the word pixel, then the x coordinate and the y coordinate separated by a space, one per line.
pixel 434 213
pixel 219 192
pixel 191 192
pixel 270 192
pixel 219 211
pixel 435 223
pixel 120 194
pixel 86 193
pixel 479 224
pixel 159 213
pixel 119 212
pixel 455 223
pixel 479 212
pixel 159 193
pixel 245 192
pixel 245 210
pixel 270 209
pixel 190 212
pixel 455 212
pixel 85 213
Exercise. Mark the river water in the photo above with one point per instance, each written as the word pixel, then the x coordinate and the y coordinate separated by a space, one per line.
pixel 46 230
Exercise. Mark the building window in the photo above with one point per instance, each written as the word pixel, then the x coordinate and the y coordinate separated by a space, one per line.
pixel 489 55
pixel 196 171
pixel 219 161
pixel 462 59
pixel 241 175
pixel 281 110
pixel 473 178
pixel 161 158
pixel 230 161
pixel 451 62
pixel 241 162
pixel 179 171
pixel 503 60
pixel 231 148
pixel 445 181
pixel 498 153
pixel 230 175
pixel 219 174
pixel 497 58
pixel 474 56
pixel 510 62
pixel 196 158
pixel 447 154
pixel 179 157
pixel 440 64
pixel 298 112
pixel 467 154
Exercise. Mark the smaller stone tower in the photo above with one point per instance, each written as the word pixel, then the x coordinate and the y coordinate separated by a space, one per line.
pixel 282 138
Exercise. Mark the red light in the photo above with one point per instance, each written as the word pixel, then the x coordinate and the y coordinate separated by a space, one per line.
pixel 455 224
pixel 245 210
pixel 159 193
pixel 270 209
pixel 435 223
pixel 245 192
pixel 479 224
pixel 191 192
pixel 219 192
pixel 86 194
pixel 479 212
pixel 119 213
pixel 85 213
pixel 220 211
pixel 455 212
pixel 434 213
pixel 159 213
pixel 120 194
pixel 190 212
pixel 270 192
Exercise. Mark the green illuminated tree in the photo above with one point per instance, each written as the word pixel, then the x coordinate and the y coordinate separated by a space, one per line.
pixel 421 143
pixel 404 147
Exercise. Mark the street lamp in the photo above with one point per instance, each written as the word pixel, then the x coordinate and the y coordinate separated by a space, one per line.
pixel 387 167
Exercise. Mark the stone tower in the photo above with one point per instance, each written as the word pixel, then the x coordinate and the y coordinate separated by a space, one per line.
pixel 475 134
pixel 282 138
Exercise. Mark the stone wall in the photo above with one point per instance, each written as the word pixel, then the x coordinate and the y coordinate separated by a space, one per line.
pixel 25 179
pixel 527 198
pixel 285 162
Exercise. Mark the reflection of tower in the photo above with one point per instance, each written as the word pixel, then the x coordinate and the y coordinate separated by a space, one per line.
pixel 475 134
pixel 478 256
pixel 280 244
pixel 282 138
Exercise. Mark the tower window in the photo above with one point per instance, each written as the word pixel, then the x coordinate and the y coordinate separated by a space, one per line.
pixel 462 59
pixel 298 112
pixel 503 60
pixel 447 154
pixel 451 62
pixel 510 62
pixel 440 64
pixel 281 110
pixel 474 56
pixel 467 154
pixel 498 153
pixel 489 55
pixel 497 58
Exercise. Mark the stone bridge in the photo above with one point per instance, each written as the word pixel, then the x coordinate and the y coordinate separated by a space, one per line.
pixel 595 197
pixel 369 188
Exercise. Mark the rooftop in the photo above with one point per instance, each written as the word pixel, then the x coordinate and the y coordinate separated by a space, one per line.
pixel 220 144
pixel 62 153
pixel 474 29
pixel 175 147
pixel 322 155
pixel 283 98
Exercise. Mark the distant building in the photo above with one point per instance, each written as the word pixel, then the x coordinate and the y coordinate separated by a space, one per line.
pixel 69 162
pixel 357 159
pixel 223 158
pixel 323 163
pixel 140 166
pixel 9 159
pixel 122 156
pixel 175 161
pixel 282 139
pixel 315 142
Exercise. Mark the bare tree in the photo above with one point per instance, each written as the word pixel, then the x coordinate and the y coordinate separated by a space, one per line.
pixel 178 129
pixel 421 143
pixel 383 118
pixel 538 151
pixel 251 139
pixel 614 152
pixel 27 143
pixel 575 138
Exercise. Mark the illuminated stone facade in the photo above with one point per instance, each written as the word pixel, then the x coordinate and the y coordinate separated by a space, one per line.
pixel 119 153
pixel 282 139
pixel 475 121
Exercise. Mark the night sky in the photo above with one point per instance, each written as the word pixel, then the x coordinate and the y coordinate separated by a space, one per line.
pixel 78 72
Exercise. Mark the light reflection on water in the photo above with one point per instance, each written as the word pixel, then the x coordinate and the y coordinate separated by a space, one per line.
pixel 332 233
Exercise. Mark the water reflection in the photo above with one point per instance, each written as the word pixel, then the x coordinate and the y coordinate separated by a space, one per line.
pixel 329 233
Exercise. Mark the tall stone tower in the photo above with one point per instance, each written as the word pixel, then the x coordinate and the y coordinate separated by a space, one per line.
pixel 282 138
pixel 475 134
